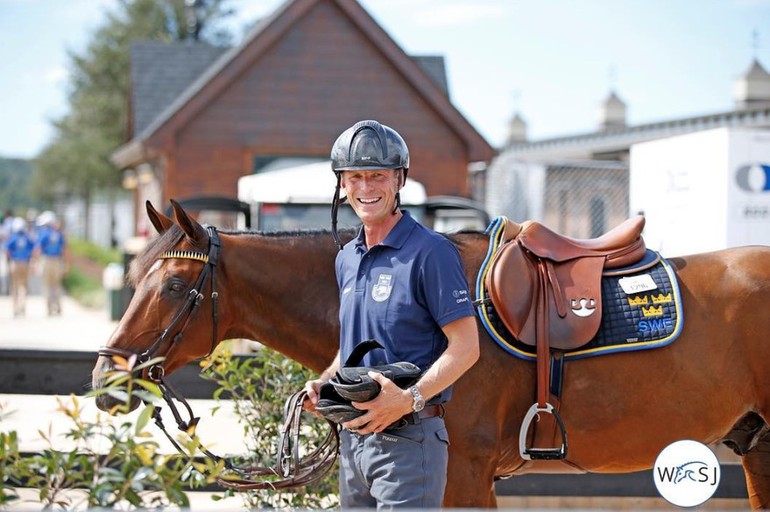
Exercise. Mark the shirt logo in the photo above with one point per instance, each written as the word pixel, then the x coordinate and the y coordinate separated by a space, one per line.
pixel 381 290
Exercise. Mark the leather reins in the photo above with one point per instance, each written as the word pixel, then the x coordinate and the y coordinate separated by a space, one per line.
pixel 293 470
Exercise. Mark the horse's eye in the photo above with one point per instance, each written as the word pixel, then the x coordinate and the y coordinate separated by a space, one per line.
pixel 176 287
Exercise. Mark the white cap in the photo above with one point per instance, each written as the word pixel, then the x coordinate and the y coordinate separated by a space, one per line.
pixel 18 224
pixel 47 217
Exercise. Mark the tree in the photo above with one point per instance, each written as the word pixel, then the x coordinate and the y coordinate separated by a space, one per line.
pixel 76 163
pixel 14 185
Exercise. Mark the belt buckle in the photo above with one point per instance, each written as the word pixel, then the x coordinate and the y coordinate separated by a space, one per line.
pixel 403 422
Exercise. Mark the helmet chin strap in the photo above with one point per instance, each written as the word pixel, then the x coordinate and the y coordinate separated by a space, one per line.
pixel 397 206
pixel 335 207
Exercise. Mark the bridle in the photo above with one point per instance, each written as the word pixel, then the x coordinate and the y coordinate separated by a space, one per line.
pixel 156 372
pixel 293 470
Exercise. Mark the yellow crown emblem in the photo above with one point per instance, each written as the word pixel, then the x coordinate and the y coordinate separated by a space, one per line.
pixel 661 299
pixel 637 301
pixel 652 311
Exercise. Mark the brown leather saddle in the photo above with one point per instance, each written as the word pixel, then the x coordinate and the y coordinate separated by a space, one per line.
pixel 546 289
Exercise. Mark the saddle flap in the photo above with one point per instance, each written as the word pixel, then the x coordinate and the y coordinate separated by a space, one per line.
pixel 572 289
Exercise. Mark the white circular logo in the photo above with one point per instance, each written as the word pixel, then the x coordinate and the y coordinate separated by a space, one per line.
pixel 686 473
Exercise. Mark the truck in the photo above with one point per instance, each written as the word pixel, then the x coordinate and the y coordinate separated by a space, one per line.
pixel 703 191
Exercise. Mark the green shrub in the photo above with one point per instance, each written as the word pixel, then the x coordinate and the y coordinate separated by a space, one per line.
pixel 84 288
pixel 112 465
pixel 80 285
pixel 94 252
pixel 116 465
pixel 259 386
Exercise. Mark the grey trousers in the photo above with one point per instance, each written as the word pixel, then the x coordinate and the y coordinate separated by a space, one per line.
pixel 403 468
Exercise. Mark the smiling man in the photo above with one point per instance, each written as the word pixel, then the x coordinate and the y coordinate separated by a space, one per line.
pixel 403 285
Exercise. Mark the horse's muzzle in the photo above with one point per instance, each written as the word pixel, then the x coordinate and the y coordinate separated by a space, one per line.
pixel 105 401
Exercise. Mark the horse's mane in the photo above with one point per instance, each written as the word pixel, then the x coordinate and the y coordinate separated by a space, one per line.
pixel 297 233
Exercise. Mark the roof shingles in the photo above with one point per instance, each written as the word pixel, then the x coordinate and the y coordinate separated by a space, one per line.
pixel 161 71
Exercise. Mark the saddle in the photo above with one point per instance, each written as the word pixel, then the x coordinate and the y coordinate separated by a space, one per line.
pixel 352 383
pixel 546 289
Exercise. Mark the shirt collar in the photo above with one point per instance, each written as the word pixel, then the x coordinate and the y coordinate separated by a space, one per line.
pixel 397 236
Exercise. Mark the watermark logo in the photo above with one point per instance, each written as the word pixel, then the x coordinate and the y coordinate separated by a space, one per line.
pixel 686 473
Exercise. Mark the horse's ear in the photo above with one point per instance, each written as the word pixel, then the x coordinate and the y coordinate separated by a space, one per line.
pixel 160 221
pixel 189 225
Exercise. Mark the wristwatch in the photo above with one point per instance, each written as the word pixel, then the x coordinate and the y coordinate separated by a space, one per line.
pixel 419 402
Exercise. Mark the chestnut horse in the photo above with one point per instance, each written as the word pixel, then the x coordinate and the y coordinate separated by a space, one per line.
pixel 620 410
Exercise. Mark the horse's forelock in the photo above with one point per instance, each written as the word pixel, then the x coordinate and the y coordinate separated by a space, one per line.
pixel 141 264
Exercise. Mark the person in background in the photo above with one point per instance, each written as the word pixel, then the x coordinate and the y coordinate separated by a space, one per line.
pixel 52 247
pixel 19 248
pixel 5 231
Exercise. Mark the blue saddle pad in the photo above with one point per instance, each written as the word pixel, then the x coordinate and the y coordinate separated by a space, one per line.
pixel 641 306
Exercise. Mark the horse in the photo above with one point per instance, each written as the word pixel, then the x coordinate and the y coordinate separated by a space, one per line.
pixel 712 384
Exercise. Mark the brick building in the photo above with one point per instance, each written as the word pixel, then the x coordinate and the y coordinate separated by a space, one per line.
pixel 201 117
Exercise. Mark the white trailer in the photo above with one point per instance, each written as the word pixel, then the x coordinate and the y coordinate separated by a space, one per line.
pixel 703 191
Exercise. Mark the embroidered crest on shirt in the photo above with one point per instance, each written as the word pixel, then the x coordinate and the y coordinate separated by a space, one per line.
pixel 381 290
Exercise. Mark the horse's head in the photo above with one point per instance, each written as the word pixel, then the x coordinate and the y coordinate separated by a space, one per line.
pixel 175 303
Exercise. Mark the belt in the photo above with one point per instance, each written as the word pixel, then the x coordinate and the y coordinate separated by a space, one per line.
pixel 430 411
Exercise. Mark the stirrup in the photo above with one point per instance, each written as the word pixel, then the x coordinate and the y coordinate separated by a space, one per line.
pixel 541 453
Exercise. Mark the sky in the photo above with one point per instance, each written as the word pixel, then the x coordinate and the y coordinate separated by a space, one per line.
pixel 552 61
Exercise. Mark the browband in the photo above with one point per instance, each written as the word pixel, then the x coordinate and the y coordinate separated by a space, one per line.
pixel 190 255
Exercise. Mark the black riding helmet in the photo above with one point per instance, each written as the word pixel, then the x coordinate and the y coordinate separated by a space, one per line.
pixel 367 145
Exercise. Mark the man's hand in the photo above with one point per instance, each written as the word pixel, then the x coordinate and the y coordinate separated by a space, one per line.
pixel 312 387
pixel 389 406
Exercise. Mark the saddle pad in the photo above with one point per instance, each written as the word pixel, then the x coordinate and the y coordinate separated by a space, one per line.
pixel 641 308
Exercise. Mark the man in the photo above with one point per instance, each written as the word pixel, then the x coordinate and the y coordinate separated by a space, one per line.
pixel 5 232
pixel 404 286
pixel 19 248
pixel 52 246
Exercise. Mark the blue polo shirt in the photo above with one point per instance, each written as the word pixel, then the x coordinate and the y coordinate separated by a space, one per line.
pixel 401 293
pixel 19 246
pixel 51 242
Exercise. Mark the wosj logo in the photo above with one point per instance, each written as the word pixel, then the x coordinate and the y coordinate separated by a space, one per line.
pixel 686 473
pixel 753 177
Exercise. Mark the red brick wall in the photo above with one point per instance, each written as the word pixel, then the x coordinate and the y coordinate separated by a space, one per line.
pixel 318 79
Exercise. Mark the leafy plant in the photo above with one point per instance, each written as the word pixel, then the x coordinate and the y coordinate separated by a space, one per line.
pixel 9 460
pixel 112 464
pixel 94 252
pixel 118 464
pixel 84 289
pixel 258 387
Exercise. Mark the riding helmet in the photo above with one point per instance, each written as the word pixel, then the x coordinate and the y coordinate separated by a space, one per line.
pixel 369 145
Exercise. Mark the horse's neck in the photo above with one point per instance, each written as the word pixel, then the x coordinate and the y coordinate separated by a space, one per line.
pixel 284 294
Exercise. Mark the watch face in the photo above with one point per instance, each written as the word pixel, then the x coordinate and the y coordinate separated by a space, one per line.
pixel 419 401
